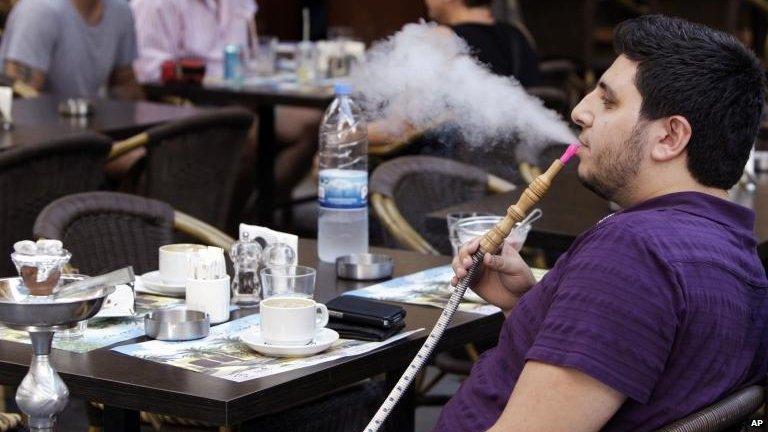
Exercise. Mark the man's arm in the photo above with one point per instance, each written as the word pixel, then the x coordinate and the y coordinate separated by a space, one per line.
pixel 20 72
pixel 554 399
pixel 124 85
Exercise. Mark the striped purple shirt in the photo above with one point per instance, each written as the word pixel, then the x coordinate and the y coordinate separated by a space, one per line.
pixel 664 302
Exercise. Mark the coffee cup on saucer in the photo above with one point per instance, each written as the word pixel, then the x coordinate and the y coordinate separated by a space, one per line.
pixel 291 321
pixel 175 262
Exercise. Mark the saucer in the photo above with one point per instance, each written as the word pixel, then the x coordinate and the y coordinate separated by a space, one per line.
pixel 152 284
pixel 324 338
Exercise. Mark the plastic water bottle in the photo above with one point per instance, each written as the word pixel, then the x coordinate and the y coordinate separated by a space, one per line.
pixel 343 184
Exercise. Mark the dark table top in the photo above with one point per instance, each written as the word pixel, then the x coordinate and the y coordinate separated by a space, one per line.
pixel 569 209
pixel 128 382
pixel 252 95
pixel 38 119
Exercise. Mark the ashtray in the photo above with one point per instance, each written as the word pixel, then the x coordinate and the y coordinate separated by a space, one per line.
pixel 364 266
pixel 176 325
pixel 76 108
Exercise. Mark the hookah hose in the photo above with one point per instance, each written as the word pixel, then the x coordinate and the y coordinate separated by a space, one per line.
pixel 490 243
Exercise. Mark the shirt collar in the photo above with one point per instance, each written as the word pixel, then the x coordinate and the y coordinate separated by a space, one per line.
pixel 703 205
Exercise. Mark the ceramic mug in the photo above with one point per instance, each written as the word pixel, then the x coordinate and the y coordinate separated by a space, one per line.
pixel 292 321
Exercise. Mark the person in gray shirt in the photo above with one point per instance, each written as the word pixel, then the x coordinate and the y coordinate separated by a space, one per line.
pixel 72 48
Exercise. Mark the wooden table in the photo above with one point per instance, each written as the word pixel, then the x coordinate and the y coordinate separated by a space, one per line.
pixel 569 209
pixel 126 384
pixel 38 119
pixel 263 99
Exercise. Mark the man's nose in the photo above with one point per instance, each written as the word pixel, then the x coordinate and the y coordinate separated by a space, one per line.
pixel 581 115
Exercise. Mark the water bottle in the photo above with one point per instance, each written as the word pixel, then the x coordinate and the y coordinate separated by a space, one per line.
pixel 343 179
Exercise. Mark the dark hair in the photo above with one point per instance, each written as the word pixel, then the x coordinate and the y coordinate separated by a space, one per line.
pixel 704 75
pixel 477 3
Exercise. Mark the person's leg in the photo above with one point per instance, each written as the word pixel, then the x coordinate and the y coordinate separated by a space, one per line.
pixel 297 135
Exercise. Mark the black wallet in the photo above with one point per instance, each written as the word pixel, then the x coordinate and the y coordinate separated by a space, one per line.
pixel 367 312
pixel 361 332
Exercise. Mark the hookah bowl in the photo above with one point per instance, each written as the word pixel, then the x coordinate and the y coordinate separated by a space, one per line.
pixel 42 393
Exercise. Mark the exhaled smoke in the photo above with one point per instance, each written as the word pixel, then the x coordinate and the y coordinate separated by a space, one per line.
pixel 424 75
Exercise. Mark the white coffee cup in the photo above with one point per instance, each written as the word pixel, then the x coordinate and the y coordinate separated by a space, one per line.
pixel 175 261
pixel 291 320
pixel 210 296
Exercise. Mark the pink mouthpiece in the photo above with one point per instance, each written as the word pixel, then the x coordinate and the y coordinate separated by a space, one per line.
pixel 569 152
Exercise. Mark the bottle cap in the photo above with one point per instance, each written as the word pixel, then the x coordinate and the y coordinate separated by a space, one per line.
pixel 342 89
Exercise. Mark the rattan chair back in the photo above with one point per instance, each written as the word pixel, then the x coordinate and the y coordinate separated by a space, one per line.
pixel 34 175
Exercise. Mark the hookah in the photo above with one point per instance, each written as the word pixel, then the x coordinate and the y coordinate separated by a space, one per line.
pixel 490 243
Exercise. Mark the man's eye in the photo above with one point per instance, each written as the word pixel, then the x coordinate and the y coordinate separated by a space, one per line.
pixel 608 103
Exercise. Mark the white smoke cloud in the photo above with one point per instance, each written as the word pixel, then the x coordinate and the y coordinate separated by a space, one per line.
pixel 424 75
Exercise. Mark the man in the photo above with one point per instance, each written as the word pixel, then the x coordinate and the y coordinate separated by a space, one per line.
pixel 72 48
pixel 173 29
pixel 660 309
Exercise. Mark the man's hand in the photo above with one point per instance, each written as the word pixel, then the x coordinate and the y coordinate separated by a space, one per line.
pixel 20 72
pixel 503 279
pixel 124 84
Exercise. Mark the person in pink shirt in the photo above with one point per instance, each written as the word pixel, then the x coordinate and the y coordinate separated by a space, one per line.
pixel 175 29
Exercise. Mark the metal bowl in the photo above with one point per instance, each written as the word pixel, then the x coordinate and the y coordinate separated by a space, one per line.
pixel 24 312
pixel 364 266
pixel 176 325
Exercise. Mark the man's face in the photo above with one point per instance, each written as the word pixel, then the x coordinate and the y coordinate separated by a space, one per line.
pixel 613 136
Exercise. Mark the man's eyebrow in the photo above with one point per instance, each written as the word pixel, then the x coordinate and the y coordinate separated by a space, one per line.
pixel 607 89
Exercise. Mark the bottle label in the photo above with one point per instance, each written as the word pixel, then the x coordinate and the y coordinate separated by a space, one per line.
pixel 343 189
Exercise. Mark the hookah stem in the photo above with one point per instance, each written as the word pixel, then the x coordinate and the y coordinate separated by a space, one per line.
pixel 490 243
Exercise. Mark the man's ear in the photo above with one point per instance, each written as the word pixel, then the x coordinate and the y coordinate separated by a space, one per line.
pixel 673 135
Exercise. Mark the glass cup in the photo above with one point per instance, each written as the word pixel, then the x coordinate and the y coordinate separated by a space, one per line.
pixel 470 228
pixel 262 59
pixel 306 62
pixel 452 219
pixel 288 281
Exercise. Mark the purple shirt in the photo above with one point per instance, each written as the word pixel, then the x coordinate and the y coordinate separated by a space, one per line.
pixel 664 302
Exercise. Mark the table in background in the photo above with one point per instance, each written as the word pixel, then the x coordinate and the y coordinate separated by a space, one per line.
pixel 261 98
pixel 127 384
pixel 37 120
pixel 568 210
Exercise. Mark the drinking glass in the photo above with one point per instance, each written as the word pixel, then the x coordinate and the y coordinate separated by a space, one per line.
pixel 263 56
pixel 470 228
pixel 452 219
pixel 306 62
pixel 288 281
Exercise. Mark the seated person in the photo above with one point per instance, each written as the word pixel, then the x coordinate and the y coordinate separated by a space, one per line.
pixel 72 48
pixel 501 46
pixel 660 309
pixel 174 29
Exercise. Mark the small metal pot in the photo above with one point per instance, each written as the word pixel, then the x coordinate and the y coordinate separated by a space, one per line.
pixel 364 266
pixel 176 325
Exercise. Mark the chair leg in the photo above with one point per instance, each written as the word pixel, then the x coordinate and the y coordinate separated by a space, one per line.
pixel 431 383
pixel 472 352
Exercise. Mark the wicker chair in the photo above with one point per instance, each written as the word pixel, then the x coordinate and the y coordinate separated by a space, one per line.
pixel 725 415
pixel 33 176
pixel 193 164
pixel 720 14
pixel 108 230
pixel 405 189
